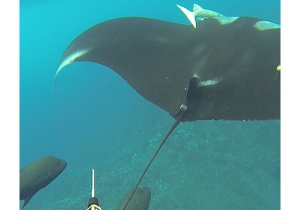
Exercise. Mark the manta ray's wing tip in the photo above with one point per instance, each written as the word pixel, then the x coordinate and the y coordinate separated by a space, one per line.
pixel 70 58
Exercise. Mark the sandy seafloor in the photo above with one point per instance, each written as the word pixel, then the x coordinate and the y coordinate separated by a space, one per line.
pixel 97 121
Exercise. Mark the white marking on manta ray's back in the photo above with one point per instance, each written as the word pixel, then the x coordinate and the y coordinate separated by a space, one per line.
pixel 196 75
pixel 225 20
pixel 209 82
pixel 71 58
pixel 265 25
pixel 201 13
pixel 206 82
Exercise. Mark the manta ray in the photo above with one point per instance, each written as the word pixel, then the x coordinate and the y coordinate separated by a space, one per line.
pixel 223 69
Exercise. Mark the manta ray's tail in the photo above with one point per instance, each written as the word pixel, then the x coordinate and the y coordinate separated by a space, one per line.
pixel 189 14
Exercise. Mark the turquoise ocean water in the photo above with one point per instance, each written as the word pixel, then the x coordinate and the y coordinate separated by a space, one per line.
pixel 96 120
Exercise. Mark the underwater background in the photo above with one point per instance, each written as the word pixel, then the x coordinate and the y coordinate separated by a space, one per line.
pixel 96 120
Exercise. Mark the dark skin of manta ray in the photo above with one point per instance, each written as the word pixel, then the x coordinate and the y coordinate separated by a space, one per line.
pixel 211 72
pixel 38 174
pixel 159 60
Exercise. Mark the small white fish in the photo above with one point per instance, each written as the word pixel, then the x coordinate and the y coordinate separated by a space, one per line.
pixel 198 12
